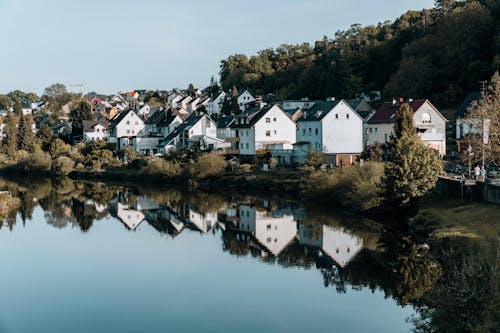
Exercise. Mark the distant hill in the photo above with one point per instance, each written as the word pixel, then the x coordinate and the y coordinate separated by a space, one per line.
pixel 440 53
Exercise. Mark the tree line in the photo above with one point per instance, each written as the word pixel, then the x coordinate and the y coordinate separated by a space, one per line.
pixel 440 53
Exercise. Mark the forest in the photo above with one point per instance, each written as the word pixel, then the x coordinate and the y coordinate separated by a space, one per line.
pixel 440 53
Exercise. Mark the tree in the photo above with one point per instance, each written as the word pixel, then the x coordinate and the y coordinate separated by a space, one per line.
pixel 18 109
pixel 213 88
pixel 226 106
pixel 485 117
pixel 413 167
pixel 235 107
pixel 44 136
pixel 25 133
pixel 5 102
pixel 54 90
pixel 82 111
pixel 191 90
pixel 10 134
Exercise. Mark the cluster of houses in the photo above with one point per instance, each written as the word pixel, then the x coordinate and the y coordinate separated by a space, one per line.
pixel 287 130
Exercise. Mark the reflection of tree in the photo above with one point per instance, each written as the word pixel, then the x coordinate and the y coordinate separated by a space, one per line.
pixel 467 298
pixel 233 244
pixel 415 272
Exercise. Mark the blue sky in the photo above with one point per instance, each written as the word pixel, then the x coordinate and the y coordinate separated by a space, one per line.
pixel 151 44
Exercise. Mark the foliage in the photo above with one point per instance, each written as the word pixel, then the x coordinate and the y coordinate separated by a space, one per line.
pixel 63 165
pixel 413 167
pixel 10 134
pixel 5 102
pixel 488 108
pixel 44 137
pixel 58 147
pixel 314 160
pixel 54 90
pixel 37 162
pixel 159 167
pixel 208 165
pixel 245 168
pixel 26 137
pixel 355 187
pixel 439 54
pixel 373 152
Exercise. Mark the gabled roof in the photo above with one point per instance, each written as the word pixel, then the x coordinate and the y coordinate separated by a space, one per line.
pixel 155 118
pixel 462 109
pixel 319 110
pixel 89 125
pixel 386 113
pixel 186 125
pixel 225 121
pixel 253 115
pixel 116 120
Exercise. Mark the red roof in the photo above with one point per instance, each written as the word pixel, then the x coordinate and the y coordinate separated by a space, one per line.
pixel 386 113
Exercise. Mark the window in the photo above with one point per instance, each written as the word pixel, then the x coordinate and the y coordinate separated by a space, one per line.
pixel 426 118
pixel 268 227
pixel 274 119
pixel 304 131
pixel 310 130
pixel 371 130
pixel 268 239
pixel 347 116
pixel 336 116
pixel 268 120
pixel 268 133
pixel 275 132
pixel 247 146
pixel 316 131
pixel 137 123
pixel 376 130
pixel 128 122
pixel 128 131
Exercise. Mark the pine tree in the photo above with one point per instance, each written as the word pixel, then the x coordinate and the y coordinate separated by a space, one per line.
pixel 413 167
pixel 10 134
pixel 18 109
pixel 25 133
pixel 226 107
pixel 235 107
pixel 44 137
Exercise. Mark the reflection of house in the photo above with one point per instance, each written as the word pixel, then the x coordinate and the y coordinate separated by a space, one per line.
pixel 130 217
pixel 202 222
pixel 336 243
pixel 272 230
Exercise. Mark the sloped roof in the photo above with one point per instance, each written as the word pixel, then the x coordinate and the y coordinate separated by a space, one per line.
pixel 190 122
pixel 386 113
pixel 318 111
pixel 253 115
pixel 155 118
pixel 116 120
pixel 462 109
pixel 89 125
pixel 224 121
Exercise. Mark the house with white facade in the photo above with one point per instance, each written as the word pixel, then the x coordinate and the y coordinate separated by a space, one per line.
pixel 429 122
pixel 214 105
pixel 196 131
pixel 334 129
pixel 254 130
pixel 463 125
pixel 124 127
pixel 273 230
pixel 244 98
pixel 95 130
pixel 335 242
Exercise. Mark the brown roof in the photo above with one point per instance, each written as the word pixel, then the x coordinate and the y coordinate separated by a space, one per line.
pixel 386 113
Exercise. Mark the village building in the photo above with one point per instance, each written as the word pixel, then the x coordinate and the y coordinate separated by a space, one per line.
pixel 95 130
pixel 124 127
pixel 429 122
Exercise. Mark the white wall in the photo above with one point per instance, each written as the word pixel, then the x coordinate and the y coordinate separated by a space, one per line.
pixel 281 129
pixel 99 133
pixel 342 131
pixel 131 125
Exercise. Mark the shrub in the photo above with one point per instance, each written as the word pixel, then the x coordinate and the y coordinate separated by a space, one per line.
pixel 22 155
pixel 208 165
pixel 59 147
pixel 63 165
pixel 356 187
pixel 39 161
pixel 159 167
pixel 245 168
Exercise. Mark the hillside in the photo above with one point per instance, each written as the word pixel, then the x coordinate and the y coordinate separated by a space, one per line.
pixel 440 53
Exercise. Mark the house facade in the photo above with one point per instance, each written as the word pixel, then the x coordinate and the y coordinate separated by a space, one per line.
pixel 429 122
pixel 95 130
pixel 214 106
pixel 124 127
pixel 255 129
pixel 334 129
pixel 244 98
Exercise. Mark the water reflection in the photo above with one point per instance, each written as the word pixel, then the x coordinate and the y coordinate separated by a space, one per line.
pixel 442 279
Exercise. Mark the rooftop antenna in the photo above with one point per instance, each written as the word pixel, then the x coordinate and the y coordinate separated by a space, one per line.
pixel 78 85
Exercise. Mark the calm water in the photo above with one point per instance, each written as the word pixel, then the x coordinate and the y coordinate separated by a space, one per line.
pixel 94 258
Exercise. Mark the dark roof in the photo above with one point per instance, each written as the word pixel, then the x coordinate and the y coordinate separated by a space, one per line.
pixel 386 113
pixel 252 115
pixel 116 120
pixel 354 103
pixel 224 121
pixel 462 109
pixel 88 125
pixel 155 118
pixel 190 121
pixel 318 111
pixel 25 105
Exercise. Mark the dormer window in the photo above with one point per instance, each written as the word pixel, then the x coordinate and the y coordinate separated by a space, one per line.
pixel 426 118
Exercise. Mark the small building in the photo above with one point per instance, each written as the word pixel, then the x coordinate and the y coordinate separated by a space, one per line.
pixel 429 122
pixel 464 126
pixel 245 98
pixel 214 105
pixel 95 130
pixel 124 127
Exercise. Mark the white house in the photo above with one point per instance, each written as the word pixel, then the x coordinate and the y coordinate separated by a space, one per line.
pixel 272 230
pixel 214 106
pixel 196 130
pixel 430 124
pixel 333 128
pixel 255 129
pixel 244 98
pixel 124 127
pixel 337 243
pixel 95 130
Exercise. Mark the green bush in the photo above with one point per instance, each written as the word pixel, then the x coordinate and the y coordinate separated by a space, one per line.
pixel 39 161
pixel 22 155
pixel 208 165
pixel 58 148
pixel 62 166
pixel 356 187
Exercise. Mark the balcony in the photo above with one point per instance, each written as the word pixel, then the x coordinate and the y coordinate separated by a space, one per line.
pixel 232 151
pixel 233 139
